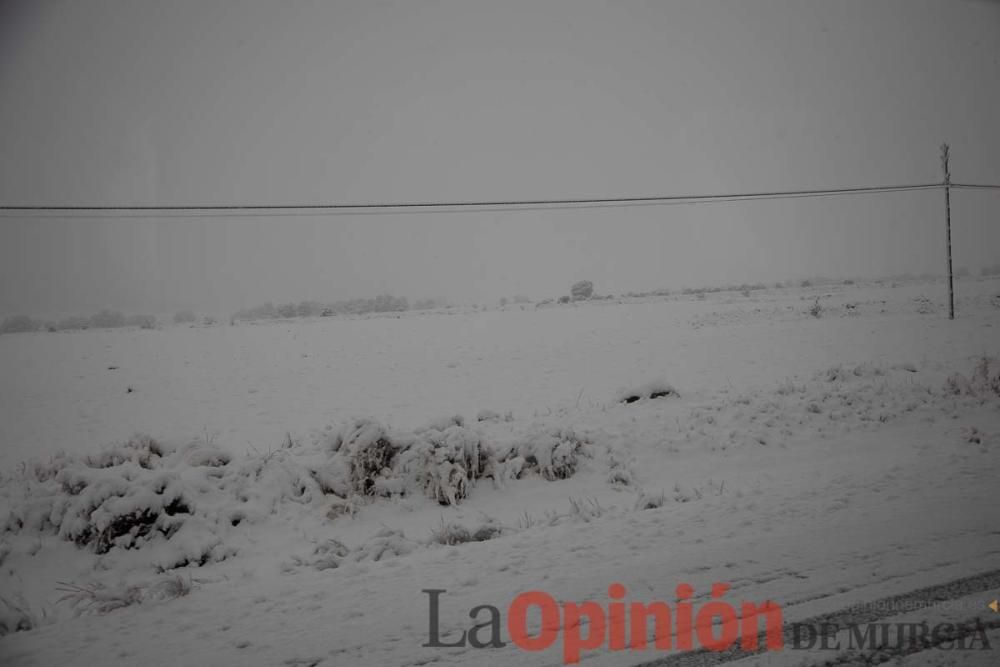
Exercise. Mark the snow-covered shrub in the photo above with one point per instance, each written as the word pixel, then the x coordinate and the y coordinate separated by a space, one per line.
pixel 442 460
pixel 41 471
pixel 265 482
pixel 341 507
pixel 385 544
pixel 209 457
pixel 924 305
pixel 130 496
pixel 140 449
pixel 788 388
pixel 649 501
pixel 333 477
pixel 452 533
pixel 958 384
pixel 508 469
pixel 196 543
pixel 184 317
pixel 552 452
pixel 683 494
pixel 443 464
pixel 986 376
pixel 329 554
pixel 100 598
pixel 839 373
pixel 585 509
pixel 619 474
pixel 369 451
pixel 835 373
pixel 115 506
pixel 985 379
pixel 869 370
pixel 972 435
pixel 168 588
pixel 489 529
pixel 176 506
pixel 655 389
pixel 582 290
pixel 486 415
pixel 15 615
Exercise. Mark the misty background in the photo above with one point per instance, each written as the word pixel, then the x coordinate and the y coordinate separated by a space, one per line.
pixel 208 102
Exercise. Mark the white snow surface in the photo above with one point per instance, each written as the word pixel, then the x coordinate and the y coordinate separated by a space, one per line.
pixel 814 461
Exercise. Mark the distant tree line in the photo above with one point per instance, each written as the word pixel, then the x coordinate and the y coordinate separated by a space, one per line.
pixel 113 319
pixel 383 303
pixel 105 319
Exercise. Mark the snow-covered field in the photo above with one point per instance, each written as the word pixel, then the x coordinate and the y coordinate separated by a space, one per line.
pixel 817 461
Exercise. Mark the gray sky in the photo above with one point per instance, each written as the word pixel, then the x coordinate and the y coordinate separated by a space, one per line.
pixel 202 101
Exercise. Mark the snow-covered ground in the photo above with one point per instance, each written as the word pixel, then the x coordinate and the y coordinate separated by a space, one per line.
pixel 817 461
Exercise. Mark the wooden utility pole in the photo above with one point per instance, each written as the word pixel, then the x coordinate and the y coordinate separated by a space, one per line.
pixel 947 217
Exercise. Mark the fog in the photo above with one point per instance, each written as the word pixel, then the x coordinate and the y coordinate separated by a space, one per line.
pixel 315 102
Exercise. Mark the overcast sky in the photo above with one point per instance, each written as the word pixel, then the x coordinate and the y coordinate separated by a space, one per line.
pixel 204 101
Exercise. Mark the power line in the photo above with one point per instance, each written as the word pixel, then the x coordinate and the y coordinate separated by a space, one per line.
pixel 293 212
pixel 245 210
pixel 975 186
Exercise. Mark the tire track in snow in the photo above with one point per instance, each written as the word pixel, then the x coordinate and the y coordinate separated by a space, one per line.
pixel 873 610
